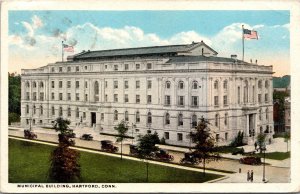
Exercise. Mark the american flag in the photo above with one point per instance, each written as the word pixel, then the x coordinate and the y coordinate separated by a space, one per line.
pixel 250 34
pixel 68 48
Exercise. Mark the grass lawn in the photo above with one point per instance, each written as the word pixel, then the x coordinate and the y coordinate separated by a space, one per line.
pixel 275 155
pixel 29 163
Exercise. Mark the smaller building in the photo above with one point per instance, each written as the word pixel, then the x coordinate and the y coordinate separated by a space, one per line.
pixel 287 111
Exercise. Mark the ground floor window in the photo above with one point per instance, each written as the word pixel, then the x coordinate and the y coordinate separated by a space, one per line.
pixel 166 135
pixel 179 136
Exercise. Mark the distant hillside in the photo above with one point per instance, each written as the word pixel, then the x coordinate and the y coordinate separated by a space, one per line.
pixel 281 82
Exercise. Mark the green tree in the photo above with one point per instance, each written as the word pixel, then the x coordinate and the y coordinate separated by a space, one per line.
pixel 146 147
pixel 64 161
pixel 261 139
pixel 122 129
pixel 14 97
pixel 287 137
pixel 205 148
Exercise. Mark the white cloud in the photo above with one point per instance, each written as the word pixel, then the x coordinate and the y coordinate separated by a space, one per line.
pixel 36 22
pixel 28 27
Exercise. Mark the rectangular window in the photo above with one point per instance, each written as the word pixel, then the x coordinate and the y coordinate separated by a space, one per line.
pixel 239 95
pixel 217 137
pixel 180 100
pixel 179 136
pixel 149 99
pixel 27 96
pixel 225 100
pixel 60 69
pixel 216 100
pixel 34 96
pixel 126 66
pixel 116 67
pixel 137 66
pixel 137 84
pixel 137 99
pixel 69 69
pixel 226 136
pixel 266 98
pixel 86 84
pixel 166 135
pixel 168 100
pixel 69 84
pixel 149 84
pixel 77 68
pixel 53 111
pixel 69 96
pixel 149 66
pixel 102 116
pixel 105 66
pixel 77 96
pixel 85 67
pixel 259 98
pixel 52 84
pixel 83 115
pixel 69 112
pixel 106 98
pixel 126 86
pixel 86 97
pixel 126 98
pixel 115 84
pixel 195 101
pixel 60 84
pixel 105 84
pixel 52 96
pixel 115 97
pixel 60 96
pixel 52 69
pixel 77 84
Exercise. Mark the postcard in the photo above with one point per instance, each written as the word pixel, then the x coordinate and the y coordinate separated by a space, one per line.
pixel 149 96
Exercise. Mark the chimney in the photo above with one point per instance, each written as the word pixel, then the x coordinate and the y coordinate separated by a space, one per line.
pixel 233 56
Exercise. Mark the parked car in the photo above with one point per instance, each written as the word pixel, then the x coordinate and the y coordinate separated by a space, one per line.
pixel 87 137
pixel 133 150
pixel 162 154
pixel 250 160
pixel 189 158
pixel 29 134
pixel 107 145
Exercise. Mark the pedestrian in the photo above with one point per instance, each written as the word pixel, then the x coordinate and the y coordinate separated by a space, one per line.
pixel 255 145
pixel 240 170
pixel 248 175
pixel 251 176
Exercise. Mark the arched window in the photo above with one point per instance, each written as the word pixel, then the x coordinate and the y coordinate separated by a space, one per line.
pixel 168 84
pixel 41 110
pixel 60 111
pixel 115 115
pixel 41 84
pixel 216 85
pixel 27 108
pixel 137 117
pixel 149 118
pixel 34 109
pixel 194 120
pixel 167 119
pixel 259 84
pixel 216 120
pixel 226 119
pixel 27 84
pixel 96 90
pixel 180 120
pixel 126 118
pixel 34 84
pixel 180 84
pixel 266 84
pixel 52 110
pixel 225 85
pixel 195 85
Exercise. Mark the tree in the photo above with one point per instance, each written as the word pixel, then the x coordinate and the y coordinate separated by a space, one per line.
pixel 287 136
pixel 146 147
pixel 64 161
pixel 238 140
pixel 205 149
pixel 122 129
pixel 14 97
pixel 261 139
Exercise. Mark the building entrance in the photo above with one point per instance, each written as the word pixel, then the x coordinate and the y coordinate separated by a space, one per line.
pixel 93 118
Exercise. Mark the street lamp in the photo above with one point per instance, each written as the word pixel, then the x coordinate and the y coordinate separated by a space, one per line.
pixel 264 164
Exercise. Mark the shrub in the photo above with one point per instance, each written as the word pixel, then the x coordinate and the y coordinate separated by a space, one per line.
pixel 238 140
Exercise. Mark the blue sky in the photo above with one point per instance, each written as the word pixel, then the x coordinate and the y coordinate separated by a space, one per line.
pixel 41 32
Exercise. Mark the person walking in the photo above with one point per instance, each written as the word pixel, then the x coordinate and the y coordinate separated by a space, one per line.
pixel 251 176
pixel 248 175
pixel 255 145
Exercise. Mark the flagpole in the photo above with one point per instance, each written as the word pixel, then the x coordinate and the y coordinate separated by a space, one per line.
pixel 62 51
pixel 243 41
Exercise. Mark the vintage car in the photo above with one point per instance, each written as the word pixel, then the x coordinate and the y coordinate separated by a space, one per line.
pixel 133 150
pixel 107 145
pixel 87 137
pixel 251 160
pixel 162 154
pixel 29 134
pixel 189 158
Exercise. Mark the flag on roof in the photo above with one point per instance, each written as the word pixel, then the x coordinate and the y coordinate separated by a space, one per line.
pixel 68 48
pixel 250 34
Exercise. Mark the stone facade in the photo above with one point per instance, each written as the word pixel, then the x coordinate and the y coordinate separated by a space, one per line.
pixel 162 89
